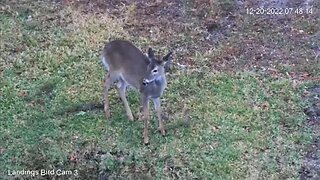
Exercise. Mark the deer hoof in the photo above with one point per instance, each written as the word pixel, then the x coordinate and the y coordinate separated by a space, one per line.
pixel 107 113
pixel 130 117
pixel 146 141
pixel 162 131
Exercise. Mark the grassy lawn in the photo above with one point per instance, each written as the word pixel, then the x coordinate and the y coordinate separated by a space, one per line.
pixel 243 125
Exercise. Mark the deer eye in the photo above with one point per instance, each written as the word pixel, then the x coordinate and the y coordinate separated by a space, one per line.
pixel 155 70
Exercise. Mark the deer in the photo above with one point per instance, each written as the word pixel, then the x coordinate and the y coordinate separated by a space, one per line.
pixel 127 66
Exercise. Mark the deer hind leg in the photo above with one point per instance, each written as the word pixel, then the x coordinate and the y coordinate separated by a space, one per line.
pixel 157 107
pixel 121 86
pixel 140 115
pixel 145 112
pixel 108 81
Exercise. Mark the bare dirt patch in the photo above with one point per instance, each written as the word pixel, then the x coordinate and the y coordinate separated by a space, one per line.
pixel 223 32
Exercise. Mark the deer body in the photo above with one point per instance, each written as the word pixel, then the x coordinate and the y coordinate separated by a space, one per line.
pixel 128 66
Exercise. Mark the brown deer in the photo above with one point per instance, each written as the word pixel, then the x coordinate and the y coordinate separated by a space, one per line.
pixel 128 66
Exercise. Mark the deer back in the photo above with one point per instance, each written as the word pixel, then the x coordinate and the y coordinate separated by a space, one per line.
pixel 123 59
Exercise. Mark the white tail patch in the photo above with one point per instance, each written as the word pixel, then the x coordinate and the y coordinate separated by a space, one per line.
pixel 105 64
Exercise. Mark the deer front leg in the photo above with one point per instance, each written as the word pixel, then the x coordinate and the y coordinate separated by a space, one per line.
pixel 145 111
pixel 157 107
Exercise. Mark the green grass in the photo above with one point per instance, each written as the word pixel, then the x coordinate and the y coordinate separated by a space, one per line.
pixel 221 126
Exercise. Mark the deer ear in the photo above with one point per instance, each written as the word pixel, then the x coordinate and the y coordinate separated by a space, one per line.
pixel 167 62
pixel 150 53
pixel 167 57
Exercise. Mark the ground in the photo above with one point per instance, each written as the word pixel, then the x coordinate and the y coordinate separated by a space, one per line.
pixel 242 100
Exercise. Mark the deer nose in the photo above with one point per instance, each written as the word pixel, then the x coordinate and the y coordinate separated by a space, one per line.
pixel 145 81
